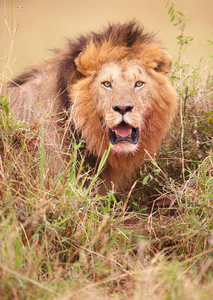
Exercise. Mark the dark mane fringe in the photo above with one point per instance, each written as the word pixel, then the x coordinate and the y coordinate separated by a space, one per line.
pixel 23 77
pixel 118 34
pixel 125 34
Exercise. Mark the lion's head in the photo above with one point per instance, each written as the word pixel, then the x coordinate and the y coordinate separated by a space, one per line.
pixel 122 96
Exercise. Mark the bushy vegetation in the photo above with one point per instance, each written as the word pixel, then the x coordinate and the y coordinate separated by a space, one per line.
pixel 59 240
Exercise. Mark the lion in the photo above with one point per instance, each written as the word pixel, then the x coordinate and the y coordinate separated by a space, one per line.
pixel 108 89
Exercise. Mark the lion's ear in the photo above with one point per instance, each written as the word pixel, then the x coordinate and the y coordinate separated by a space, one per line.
pixel 165 63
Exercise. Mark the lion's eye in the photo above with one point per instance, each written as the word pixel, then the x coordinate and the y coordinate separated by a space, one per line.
pixel 107 84
pixel 139 84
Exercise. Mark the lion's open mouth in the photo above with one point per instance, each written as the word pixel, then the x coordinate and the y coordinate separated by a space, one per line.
pixel 123 132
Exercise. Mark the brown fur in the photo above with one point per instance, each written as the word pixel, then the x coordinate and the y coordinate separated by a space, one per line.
pixel 67 90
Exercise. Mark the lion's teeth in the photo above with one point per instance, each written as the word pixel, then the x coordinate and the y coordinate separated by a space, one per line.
pixel 130 133
pixel 116 133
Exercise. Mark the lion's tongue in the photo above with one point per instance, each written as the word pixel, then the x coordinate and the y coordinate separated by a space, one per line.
pixel 123 130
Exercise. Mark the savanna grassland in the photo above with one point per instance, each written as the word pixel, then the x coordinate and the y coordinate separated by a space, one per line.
pixel 59 240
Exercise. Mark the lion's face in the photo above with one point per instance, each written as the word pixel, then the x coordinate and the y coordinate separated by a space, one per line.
pixel 122 97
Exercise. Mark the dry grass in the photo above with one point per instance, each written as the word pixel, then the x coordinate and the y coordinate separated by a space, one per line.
pixel 59 240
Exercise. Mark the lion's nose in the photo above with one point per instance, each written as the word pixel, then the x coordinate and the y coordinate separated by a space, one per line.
pixel 123 109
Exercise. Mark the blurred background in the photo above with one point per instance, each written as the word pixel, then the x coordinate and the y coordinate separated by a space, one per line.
pixel 42 25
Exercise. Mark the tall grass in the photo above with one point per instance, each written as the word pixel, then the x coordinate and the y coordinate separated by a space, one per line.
pixel 59 240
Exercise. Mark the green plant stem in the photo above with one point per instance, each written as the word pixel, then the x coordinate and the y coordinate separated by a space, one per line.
pixel 42 157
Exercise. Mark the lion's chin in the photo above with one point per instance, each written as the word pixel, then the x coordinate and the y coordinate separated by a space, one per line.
pixel 124 148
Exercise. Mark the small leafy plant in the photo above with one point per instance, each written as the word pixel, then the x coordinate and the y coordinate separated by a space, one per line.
pixel 178 19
